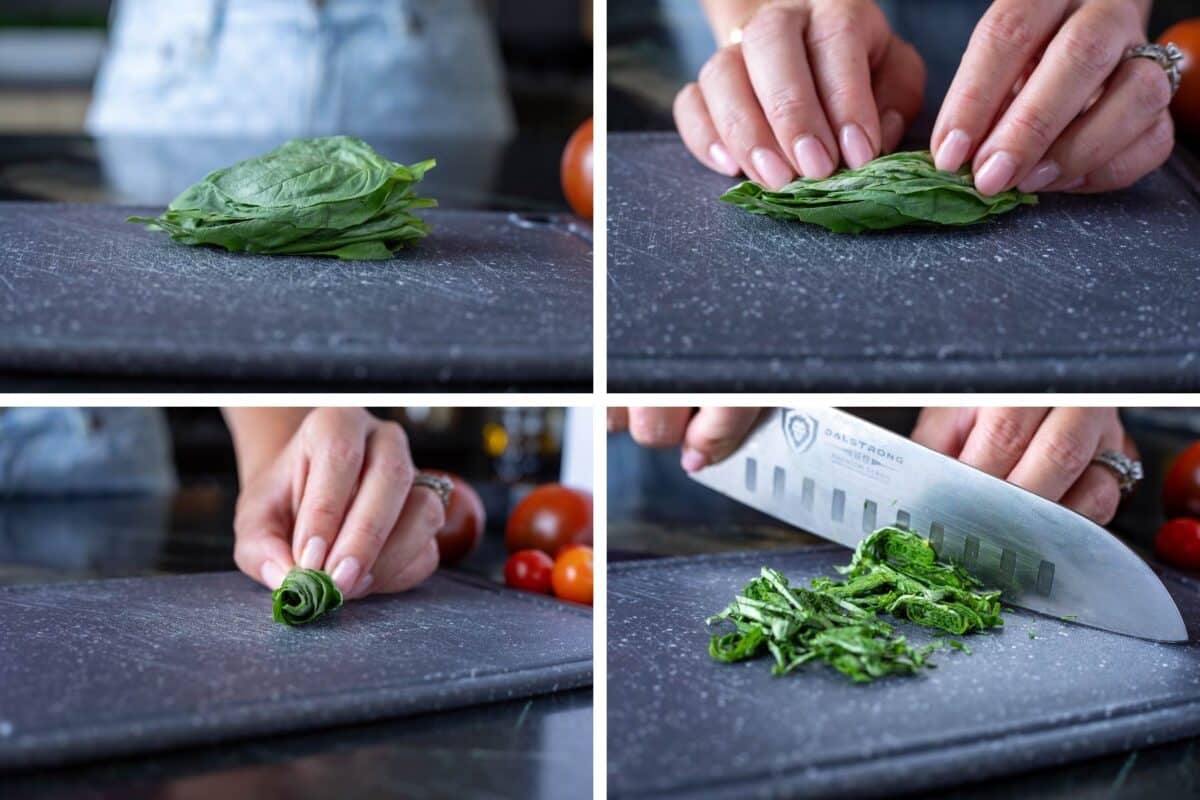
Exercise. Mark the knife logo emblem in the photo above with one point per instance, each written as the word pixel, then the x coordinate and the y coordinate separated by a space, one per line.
pixel 800 430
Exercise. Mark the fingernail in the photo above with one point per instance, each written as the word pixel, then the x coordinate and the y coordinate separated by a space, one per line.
pixel 891 125
pixel 814 161
pixel 362 586
pixel 693 460
pixel 1042 176
pixel 313 555
pixel 953 152
pixel 273 574
pixel 346 573
pixel 856 147
pixel 770 167
pixel 1075 184
pixel 995 174
pixel 723 161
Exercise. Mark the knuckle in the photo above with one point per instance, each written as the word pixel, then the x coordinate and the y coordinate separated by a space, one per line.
pixel 368 533
pixel 785 106
pixel 1067 453
pixel 341 449
pixel 1103 501
pixel 719 62
pixel 836 29
pixel 1005 435
pixel 770 22
pixel 1036 123
pixel 1007 29
pixel 1153 89
pixel 1090 50
pixel 432 512
pixel 685 97
pixel 325 512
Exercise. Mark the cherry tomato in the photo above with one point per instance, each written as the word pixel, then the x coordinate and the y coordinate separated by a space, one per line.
pixel 572 577
pixel 529 570
pixel 1181 489
pixel 465 521
pixel 1185 106
pixel 1178 541
pixel 577 170
pixel 550 518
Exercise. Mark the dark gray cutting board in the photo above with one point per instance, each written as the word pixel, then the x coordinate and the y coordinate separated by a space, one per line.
pixel 683 725
pixel 1080 293
pixel 104 668
pixel 488 298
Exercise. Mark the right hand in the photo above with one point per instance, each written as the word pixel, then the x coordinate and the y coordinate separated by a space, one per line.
pixel 813 82
pixel 706 438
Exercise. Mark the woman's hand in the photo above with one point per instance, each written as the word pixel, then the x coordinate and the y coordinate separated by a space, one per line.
pixel 811 83
pixel 1043 100
pixel 331 489
pixel 1047 451
pixel 706 438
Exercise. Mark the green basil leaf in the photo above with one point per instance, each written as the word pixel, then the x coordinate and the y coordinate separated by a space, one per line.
pixel 304 596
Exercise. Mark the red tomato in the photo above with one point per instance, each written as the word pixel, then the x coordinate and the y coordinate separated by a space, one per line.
pixel 550 518
pixel 1185 106
pixel 572 577
pixel 529 570
pixel 1178 541
pixel 577 170
pixel 1181 489
pixel 465 521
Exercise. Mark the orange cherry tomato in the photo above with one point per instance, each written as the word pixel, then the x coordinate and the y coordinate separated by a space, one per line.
pixel 1185 107
pixel 572 577
pixel 465 521
pixel 549 518
pixel 577 170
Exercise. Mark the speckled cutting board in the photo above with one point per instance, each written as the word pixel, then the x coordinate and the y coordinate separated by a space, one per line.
pixel 105 668
pixel 487 299
pixel 683 725
pixel 1082 292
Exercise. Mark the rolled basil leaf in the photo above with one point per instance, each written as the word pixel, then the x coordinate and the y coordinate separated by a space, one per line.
pixel 304 596
pixel 889 192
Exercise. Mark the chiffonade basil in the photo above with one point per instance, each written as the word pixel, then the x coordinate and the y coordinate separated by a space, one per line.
pixel 304 596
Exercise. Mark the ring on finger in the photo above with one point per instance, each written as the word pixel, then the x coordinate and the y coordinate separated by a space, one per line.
pixel 1128 471
pixel 1167 56
pixel 441 486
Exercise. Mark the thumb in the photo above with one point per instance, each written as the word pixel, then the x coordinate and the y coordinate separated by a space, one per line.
pixel 713 434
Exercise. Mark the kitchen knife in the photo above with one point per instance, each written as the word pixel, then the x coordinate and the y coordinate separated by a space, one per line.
pixel 841 478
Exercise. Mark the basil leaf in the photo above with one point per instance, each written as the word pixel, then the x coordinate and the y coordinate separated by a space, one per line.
pixel 331 196
pixel 304 596
pixel 889 192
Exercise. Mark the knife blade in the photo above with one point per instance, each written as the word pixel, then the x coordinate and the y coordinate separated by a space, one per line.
pixel 841 478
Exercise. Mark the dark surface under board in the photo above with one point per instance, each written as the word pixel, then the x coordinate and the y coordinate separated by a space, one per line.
pixel 683 725
pixel 105 668
pixel 488 300
pixel 1080 293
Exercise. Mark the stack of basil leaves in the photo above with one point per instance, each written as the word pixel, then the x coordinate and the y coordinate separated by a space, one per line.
pixel 305 596
pixel 889 192
pixel 893 571
pixel 333 196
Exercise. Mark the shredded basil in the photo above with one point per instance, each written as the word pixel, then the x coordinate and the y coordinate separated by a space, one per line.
pixel 304 596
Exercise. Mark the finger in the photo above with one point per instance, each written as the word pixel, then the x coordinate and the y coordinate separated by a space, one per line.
pixel 1078 61
pixel 1006 39
pixel 1061 450
pixel 739 119
pixel 618 419
pixel 899 87
pixel 658 427
pixel 415 572
pixel 999 438
pixel 260 547
pixel 944 429
pixel 418 524
pixel 713 434
pixel 387 478
pixel 1097 493
pixel 333 446
pixel 1147 153
pixel 1136 98
pixel 699 136
pixel 773 48
pixel 844 41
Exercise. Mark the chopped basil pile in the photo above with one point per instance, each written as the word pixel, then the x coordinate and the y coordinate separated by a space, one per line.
pixel 330 197
pixel 891 191
pixel 835 621
pixel 304 596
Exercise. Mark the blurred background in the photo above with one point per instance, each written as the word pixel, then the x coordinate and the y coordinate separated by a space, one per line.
pixel 178 517
pixel 131 101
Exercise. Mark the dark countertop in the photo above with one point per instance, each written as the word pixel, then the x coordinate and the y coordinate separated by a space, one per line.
pixel 541 747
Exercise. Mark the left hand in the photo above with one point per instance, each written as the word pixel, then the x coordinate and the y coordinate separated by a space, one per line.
pixel 1044 101
pixel 1047 451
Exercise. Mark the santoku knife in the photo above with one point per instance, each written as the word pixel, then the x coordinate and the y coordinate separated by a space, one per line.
pixel 837 476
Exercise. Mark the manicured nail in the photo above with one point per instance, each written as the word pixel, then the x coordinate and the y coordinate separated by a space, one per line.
pixel 771 168
pixel 362 586
pixel 996 173
pixel 1075 184
pixel 856 147
pixel 345 575
pixel 723 161
pixel 313 555
pixel 273 574
pixel 693 460
pixel 953 151
pixel 814 161
pixel 1040 177
pixel 891 124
